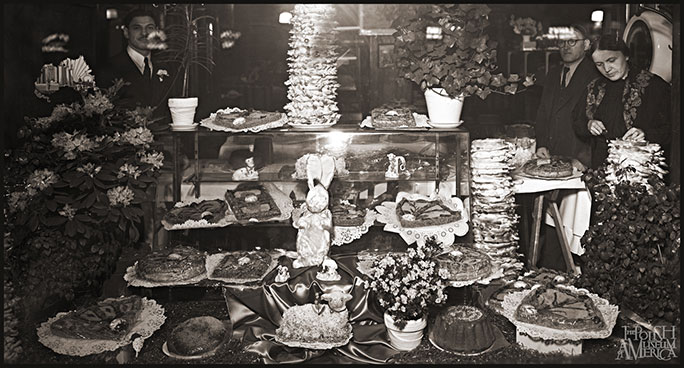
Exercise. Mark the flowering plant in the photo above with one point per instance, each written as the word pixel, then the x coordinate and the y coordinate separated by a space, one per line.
pixel 446 46
pixel 74 189
pixel 406 284
pixel 525 26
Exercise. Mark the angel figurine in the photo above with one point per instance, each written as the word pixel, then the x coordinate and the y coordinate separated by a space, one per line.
pixel 315 223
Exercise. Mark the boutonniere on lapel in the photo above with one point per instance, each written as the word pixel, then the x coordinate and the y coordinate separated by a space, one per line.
pixel 161 73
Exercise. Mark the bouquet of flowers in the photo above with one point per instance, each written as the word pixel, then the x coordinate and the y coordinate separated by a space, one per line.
pixel 525 26
pixel 407 284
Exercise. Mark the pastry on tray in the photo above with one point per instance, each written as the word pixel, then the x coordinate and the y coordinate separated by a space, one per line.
pixel 110 319
pixel 421 212
pixel 554 167
pixel 238 119
pixel 392 117
pixel 346 214
pixel 212 211
pixel 465 264
pixel 252 202
pixel 560 308
pixel 314 326
pixel 244 266
pixel 175 264
pixel 197 336
pixel 526 282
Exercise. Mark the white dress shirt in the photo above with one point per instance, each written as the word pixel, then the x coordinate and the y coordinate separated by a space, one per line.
pixel 139 59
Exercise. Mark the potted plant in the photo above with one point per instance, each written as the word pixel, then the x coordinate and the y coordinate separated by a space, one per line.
pixel 188 41
pixel 445 49
pixel 405 285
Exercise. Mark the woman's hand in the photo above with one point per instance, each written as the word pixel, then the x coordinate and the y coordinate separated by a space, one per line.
pixel 634 134
pixel 596 127
pixel 543 152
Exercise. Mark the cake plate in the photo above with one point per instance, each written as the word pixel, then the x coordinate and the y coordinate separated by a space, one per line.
pixel 431 339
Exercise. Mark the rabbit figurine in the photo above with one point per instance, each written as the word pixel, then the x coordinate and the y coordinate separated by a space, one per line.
pixel 315 224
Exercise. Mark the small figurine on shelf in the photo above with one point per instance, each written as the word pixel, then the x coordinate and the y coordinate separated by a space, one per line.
pixel 397 166
pixel 329 272
pixel 247 172
pixel 315 224
pixel 283 274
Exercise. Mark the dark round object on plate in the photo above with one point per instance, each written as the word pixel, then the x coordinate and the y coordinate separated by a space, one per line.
pixel 462 329
pixel 197 336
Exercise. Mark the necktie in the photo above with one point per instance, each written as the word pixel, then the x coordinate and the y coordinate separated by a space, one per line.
pixel 565 73
pixel 147 72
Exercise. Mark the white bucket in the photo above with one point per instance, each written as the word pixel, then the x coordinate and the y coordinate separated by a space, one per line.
pixel 183 110
pixel 407 338
pixel 443 110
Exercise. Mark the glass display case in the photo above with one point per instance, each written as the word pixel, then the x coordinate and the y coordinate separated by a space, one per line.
pixel 426 160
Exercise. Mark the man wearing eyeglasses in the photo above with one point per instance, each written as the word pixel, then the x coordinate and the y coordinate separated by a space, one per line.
pixel 135 66
pixel 563 89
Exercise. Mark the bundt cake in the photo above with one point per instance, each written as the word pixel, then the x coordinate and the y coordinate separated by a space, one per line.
pixel 196 336
pixel 462 329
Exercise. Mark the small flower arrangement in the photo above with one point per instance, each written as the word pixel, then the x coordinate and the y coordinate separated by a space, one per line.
pixel 525 26
pixel 407 284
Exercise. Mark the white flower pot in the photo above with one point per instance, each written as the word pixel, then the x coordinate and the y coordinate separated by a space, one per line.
pixel 407 338
pixel 183 110
pixel 443 111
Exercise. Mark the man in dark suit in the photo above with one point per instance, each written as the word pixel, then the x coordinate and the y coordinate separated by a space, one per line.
pixel 149 82
pixel 562 90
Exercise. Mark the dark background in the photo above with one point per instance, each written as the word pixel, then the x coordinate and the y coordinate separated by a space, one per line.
pixel 252 73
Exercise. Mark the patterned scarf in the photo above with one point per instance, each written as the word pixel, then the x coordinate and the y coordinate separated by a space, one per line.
pixel 631 96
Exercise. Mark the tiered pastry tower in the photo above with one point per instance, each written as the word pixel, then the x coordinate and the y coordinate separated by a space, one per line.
pixel 494 219
pixel 312 85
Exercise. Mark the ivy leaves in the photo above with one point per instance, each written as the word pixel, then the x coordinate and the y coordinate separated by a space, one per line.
pixel 632 246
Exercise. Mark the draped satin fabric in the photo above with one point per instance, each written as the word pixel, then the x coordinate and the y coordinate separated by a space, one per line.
pixel 256 312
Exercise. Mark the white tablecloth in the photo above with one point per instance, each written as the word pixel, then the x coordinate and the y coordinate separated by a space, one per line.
pixel 575 208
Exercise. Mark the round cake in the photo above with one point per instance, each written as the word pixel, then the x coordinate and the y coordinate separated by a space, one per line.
pixel 462 329
pixel 196 336
pixel 175 264
pixel 465 264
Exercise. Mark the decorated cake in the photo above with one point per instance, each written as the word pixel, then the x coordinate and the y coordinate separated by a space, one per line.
pixel 526 281
pixel 552 168
pixel 465 264
pixel 392 117
pixel 251 201
pixel 560 308
pixel 347 214
pixel 175 264
pixel 212 211
pixel 239 119
pixel 110 319
pixel 244 266
pixel 462 329
pixel 314 326
pixel 196 336
pixel 420 212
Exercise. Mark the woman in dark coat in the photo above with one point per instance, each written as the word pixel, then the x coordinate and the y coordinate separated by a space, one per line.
pixel 624 102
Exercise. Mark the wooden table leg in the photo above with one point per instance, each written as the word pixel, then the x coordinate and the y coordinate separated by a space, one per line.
pixel 565 246
pixel 536 228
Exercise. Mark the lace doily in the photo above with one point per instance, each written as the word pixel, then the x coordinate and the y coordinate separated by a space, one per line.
pixel 150 320
pixel 209 124
pixel 227 219
pixel 609 312
pixel 214 260
pixel 133 280
pixel 444 233
pixel 421 123
pixel 311 126
pixel 281 200
pixel 347 234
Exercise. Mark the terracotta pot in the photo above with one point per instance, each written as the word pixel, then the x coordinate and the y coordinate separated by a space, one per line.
pixel 407 338
pixel 443 110
pixel 183 110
